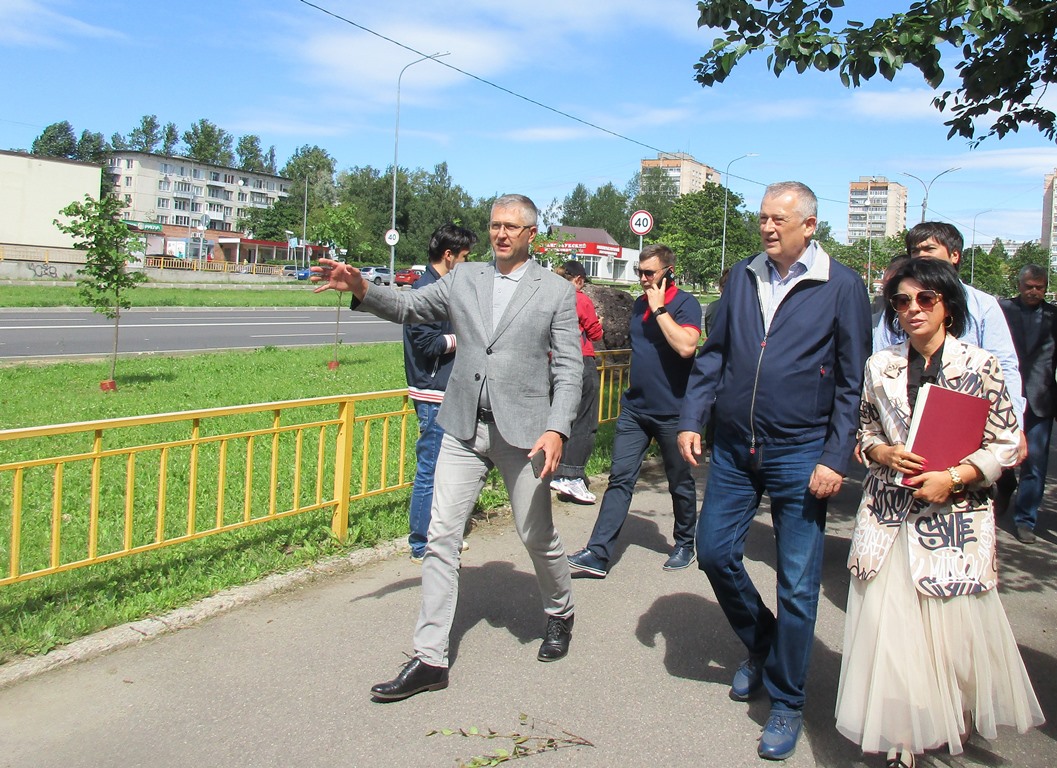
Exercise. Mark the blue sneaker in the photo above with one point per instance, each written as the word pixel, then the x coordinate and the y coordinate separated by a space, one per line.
pixel 587 564
pixel 780 735
pixel 748 680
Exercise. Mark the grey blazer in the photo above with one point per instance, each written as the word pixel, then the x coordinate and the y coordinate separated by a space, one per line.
pixel 532 360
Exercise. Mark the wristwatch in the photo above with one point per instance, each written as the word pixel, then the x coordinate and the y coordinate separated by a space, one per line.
pixel 662 310
pixel 957 486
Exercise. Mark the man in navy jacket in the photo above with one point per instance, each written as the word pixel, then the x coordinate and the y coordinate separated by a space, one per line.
pixel 780 378
pixel 429 354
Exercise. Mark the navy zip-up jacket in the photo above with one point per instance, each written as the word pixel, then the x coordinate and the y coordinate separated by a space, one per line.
pixel 799 381
pixel 428 352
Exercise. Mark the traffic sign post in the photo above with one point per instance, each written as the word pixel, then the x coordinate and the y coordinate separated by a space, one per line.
pixel 392 237
pixel 641 222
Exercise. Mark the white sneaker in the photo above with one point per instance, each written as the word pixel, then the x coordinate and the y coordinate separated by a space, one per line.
pixel 560 485
pixel 577 488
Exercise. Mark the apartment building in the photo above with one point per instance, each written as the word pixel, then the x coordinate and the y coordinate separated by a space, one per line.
pixel 877 208
pixel 1049 215
pixel 182 192
pixel 687 173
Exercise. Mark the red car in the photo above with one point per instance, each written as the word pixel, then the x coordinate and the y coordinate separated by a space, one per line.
pixel 407 276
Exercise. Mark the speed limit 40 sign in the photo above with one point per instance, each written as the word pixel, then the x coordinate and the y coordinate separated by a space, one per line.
pixel 641 222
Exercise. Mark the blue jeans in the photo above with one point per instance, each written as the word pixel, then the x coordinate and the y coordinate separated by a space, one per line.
pixel 632 437
pixel 1033 470
pixel 736 482
pixel 426 451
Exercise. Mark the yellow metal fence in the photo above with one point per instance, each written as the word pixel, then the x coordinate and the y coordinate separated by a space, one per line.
pixel 73 495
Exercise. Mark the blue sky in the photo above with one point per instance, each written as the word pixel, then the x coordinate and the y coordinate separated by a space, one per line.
pixel 293 75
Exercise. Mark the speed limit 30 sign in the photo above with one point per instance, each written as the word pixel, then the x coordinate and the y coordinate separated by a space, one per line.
pixel 641 222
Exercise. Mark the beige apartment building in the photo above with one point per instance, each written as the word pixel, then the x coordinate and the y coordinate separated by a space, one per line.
pixel 687 173
pixel 877 208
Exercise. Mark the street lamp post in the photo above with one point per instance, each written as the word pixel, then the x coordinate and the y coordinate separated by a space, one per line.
pixel 304 220
pixel 726 194
pixel 396 150
pixel 925 200
pixel 972 252
pixel 869 240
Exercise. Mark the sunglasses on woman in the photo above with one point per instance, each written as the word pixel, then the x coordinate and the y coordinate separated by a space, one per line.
pixel 926 300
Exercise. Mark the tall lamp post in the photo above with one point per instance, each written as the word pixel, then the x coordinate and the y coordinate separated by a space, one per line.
pixel 925 200
pixel 726 195
pixel 396 150
pixel 304 220
pixel 972 257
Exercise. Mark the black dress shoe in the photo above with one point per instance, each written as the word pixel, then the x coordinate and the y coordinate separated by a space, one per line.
pixel 556 640
pixel 415 677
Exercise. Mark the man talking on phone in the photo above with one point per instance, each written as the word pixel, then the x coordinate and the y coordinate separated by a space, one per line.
pixel 665 330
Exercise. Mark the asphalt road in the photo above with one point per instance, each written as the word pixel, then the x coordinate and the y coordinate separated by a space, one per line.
pixel 42 334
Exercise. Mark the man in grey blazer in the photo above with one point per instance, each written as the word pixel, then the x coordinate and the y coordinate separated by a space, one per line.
pixel 511 398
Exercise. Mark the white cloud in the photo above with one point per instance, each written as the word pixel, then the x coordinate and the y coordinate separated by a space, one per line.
pixel 30 23
pixel 897 105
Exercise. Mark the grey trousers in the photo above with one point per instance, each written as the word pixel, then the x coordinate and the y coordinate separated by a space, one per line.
pixel 461 470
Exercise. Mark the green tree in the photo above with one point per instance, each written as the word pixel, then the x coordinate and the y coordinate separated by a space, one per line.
pixel 339 227
pixel 1003 49
pixel 91 148
pixel 575 207
pixel 105 282
pixel 146 136
pixel 986 270
pixel 56 140
pixel 371 193
pixel 118 142
pixel 250 156
pixel 1029 253
pixel 608 210
pixel 435 199
pixel 652 190
pixel 694 230
pixel 209 144
pixel 170 138
pixel 273 223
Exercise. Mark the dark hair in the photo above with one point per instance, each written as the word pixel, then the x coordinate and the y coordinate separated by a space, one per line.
pixel 449 237
pixel 1031 272
pixel 943 233
pixel 572 269
pixel 936 275
pixel 661 251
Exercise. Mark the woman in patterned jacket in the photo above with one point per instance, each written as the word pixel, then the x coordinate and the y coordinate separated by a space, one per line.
pixel 928 651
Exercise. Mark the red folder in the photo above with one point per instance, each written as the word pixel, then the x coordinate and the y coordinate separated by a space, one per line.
pixel 946 426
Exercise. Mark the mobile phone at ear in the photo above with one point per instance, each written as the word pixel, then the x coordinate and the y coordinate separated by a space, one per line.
pixel 539 460
pixel 668 278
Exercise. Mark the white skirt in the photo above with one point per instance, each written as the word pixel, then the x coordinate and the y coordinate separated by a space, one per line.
pixel 912 665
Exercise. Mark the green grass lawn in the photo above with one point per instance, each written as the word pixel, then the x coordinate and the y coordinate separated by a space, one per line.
pixel 40 614
pixel 292 294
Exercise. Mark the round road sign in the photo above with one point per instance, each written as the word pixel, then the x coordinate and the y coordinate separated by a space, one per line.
pixel 641 222
pixel 392 237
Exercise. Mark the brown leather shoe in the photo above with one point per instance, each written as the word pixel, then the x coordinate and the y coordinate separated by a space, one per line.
pixel 416 676
pixel 556 639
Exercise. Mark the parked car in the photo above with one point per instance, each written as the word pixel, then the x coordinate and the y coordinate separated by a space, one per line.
pixel 289 270
pixel 303 274
pixel 407 276
pixel 376 275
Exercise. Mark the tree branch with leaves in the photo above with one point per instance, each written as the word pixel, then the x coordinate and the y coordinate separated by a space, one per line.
pixel 1005 51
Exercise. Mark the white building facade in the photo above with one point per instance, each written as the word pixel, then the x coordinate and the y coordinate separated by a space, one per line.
pixel 877 208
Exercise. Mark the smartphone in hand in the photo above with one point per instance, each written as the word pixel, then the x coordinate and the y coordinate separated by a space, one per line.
pixel 668 278
pixel 539 461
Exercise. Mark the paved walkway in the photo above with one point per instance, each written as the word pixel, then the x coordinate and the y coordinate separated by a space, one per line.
pixel 283 680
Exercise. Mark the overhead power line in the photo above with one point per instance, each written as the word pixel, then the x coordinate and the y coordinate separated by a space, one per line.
pixel 487 82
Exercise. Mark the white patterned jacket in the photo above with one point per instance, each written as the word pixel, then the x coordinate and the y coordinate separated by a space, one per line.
pixel 952 545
